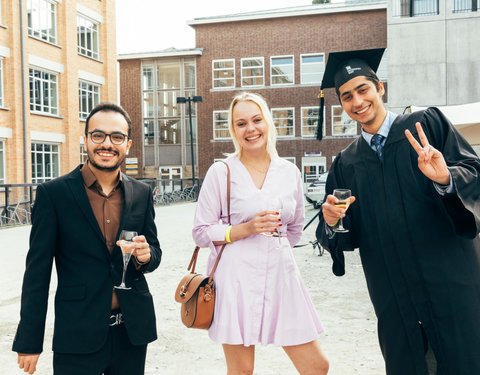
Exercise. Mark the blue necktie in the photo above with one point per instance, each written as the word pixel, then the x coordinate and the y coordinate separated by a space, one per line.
pixel 377 143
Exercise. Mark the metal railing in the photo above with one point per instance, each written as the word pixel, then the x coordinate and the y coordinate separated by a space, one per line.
pixel 166 191
pixel 414 8
pixel 464 6
pixel 16 202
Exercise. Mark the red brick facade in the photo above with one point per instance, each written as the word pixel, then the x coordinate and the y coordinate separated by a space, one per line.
pixel 131 100
pixel 298 35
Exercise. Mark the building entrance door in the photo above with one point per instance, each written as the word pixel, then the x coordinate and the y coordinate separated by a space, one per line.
pixel 312 168
pixel 170 174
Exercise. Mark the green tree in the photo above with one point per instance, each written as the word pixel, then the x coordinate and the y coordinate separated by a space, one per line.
pixel 320 1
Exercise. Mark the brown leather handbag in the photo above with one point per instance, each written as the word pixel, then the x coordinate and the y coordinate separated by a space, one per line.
pixel 196 292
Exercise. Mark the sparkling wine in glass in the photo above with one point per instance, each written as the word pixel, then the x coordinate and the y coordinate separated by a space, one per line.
pixel 126 242
pixel 343 196
pixel 274 204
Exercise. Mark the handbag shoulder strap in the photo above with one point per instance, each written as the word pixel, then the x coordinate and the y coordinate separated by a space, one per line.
pixel 229 222
pixel 228 191
pixel 193 261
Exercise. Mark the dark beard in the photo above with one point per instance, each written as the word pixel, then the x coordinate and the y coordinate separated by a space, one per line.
pixel 107 169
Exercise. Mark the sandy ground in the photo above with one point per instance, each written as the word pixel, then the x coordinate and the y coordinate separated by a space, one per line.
pixel 350 339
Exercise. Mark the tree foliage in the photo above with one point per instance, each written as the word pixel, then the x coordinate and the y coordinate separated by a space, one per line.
pixel 320 1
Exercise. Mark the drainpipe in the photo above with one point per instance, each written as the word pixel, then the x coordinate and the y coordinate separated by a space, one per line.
pixel 24 95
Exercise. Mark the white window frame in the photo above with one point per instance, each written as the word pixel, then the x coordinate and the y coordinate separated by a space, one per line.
pixel 303 74
pixel 273 110
pixel 83 50
pixel 215 123
pixel 151 69
pixel 214 80
pixel 351 123
pixel 248 67
pixel 92 91
pixel 52 175
pixel 83 154
pixel 51 109
pixel 3 178
pixel 45 11
pixel 316 125
pixel 272 75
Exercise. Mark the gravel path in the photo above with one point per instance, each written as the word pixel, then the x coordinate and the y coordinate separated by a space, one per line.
pixel 350 340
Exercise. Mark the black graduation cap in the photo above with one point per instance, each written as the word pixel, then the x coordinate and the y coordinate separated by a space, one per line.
pixel 342 67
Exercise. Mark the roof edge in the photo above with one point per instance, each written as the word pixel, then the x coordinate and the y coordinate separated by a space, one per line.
pixel 288 12
pixel 171 52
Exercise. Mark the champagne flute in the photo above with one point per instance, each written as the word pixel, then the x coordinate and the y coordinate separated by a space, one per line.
pixel 274 204
pixel 343 196
pixel 126 242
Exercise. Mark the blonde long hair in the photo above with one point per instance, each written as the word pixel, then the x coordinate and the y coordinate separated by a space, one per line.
pixel 272 131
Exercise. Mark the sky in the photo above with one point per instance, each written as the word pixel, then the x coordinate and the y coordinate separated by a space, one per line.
pixel 154 25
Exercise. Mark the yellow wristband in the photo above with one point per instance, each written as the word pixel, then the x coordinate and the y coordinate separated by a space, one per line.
pixel 227 234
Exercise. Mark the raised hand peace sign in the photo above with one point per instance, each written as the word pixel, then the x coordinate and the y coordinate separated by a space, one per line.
pixel 430 161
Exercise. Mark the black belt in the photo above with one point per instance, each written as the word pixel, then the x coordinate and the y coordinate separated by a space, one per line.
pixel 116 319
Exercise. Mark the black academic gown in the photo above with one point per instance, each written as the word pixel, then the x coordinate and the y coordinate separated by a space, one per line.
pixel 420 251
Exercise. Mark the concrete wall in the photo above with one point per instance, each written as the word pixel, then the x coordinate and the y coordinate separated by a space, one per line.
pixel 433 60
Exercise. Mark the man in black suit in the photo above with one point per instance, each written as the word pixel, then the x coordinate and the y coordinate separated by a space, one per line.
pixel 76 220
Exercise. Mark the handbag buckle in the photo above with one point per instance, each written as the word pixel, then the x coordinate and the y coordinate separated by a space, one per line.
pixel 183 291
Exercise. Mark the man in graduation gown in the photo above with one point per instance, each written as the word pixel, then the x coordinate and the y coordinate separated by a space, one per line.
pixel 415 217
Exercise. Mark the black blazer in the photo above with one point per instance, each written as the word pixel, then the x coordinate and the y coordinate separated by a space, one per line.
pixel 64 228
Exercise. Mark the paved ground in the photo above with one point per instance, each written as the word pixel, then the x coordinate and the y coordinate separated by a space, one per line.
pixel 350 339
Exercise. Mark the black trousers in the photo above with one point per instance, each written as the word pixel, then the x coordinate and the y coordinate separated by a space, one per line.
pixel 117 357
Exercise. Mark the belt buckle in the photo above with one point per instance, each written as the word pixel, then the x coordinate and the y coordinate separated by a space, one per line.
pixel 117 319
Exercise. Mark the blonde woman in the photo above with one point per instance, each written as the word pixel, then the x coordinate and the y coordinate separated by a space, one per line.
pixel 260 298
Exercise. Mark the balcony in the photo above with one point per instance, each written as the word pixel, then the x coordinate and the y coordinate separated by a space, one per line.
pixel 465 6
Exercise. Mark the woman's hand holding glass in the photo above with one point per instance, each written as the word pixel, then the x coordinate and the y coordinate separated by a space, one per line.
pixel 265 222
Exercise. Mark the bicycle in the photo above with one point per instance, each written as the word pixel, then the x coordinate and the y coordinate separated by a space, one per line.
pixel 316 246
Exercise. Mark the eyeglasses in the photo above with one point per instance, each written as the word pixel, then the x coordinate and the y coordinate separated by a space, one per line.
pixel 117 138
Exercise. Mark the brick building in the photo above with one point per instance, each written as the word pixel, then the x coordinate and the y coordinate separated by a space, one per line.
pixel 279 54
pixel 57 60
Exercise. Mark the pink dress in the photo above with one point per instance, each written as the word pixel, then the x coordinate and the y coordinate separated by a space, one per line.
pixel 260 297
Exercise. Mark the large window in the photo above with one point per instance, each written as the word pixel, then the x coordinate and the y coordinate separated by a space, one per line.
pixel 89 97
pixel 312 68
pixel 282 70
pixel 166 123
pixel 170 131
pixel 87 37
pixel 414 8
pixel 2 161
pixel 461 6
pixel 252 72
pixel 42 19
pixel 310 121
pixel 43 91
pixel 284 121
pixel 45 162
pixel 223 73
pixel 342 124
pixel 220 125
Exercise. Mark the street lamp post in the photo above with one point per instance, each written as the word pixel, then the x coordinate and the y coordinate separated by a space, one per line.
pixel 189 100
